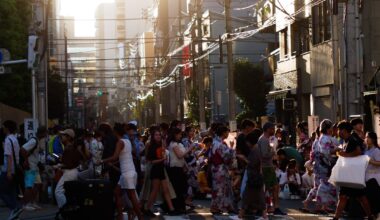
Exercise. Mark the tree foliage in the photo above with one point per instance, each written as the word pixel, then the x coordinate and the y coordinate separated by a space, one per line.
pixel 251 88
pixel 193 106
pixel 15 88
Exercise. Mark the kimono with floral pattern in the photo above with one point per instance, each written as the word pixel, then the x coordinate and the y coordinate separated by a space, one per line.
pixel 222 194
pixel 192 170
pixel 324 192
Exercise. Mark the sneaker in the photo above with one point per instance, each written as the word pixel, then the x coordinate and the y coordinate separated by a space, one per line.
pixel 278 211
pixel 15 213
pixel 29 207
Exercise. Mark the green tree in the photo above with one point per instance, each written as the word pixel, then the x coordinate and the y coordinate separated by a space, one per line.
pixel 15 88
pixel 193 106
pixel 251 88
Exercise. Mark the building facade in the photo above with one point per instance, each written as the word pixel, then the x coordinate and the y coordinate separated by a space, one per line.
pixel 326 60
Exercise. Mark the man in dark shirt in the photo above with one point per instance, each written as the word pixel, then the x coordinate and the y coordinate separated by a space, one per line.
pixel 242 150
pixel 247 126
pixel 351 148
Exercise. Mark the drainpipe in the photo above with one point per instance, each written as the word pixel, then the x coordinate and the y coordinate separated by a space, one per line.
pixel 337 90
pixel 358 59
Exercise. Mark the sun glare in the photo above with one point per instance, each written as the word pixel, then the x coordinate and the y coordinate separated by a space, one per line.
pixel 82 9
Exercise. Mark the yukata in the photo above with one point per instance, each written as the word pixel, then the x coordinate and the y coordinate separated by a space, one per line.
pixel 324 192
pixel 304 146
pixel 192 170
pixel 221 158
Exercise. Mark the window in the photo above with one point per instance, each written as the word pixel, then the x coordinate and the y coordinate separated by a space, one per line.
pixel 284 47
pixel 301 36
pixel 205 29
pixel 321 22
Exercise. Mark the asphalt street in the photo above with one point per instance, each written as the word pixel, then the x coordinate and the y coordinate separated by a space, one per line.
pixel 201 212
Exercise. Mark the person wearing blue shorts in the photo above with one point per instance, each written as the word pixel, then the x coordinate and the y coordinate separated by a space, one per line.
pixel 30 151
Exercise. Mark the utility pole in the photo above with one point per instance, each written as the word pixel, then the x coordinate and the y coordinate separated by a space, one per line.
pixel 181 78
pixel 230 65
pixel 338 88
pixel 33 59
pixel 353 59
pixel 67 82
pixel 200 78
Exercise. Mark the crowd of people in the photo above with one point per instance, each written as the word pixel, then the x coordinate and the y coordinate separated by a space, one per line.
pixel 175 163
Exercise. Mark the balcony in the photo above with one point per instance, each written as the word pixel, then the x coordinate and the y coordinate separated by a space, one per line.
pixel 293 71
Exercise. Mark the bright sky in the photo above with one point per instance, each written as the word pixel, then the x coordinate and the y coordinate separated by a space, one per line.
pixel 82 9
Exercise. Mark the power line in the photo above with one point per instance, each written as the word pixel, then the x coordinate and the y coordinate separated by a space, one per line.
pixel 154 41
pixel 114 39
pixel 111 19
pixel 78 61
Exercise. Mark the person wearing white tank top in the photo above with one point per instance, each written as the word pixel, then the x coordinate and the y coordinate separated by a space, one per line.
pixel 127 167
pixel 128 177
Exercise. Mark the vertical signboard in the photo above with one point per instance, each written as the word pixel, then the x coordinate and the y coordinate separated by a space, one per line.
pixel 30 128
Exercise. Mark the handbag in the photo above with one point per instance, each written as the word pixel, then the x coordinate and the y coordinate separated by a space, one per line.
pixel 19 171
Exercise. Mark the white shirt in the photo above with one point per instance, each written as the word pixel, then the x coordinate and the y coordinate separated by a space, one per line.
pixel 8 153
pixel 34 156
pixel 174 160
pixel 293 178
pixel 125 158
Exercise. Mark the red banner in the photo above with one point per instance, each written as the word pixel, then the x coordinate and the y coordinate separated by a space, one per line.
pixel 186 61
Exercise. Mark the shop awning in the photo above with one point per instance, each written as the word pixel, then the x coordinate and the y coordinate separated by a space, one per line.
pixel 367 93
pixel 280 94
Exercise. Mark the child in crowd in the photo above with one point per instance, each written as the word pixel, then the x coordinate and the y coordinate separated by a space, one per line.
pixel 307 178
pixel 293 179
pixel 204 187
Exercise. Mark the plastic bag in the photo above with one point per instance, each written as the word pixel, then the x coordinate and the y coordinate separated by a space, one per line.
pixel 285 193
pixel 350 172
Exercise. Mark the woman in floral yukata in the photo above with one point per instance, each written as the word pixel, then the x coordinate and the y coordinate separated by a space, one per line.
pixel 188 143
pixel 221 158
pixel 323 150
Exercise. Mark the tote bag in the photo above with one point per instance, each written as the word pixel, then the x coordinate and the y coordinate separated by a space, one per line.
pixel 350 172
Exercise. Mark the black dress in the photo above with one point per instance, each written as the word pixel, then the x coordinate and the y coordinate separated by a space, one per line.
pixel 157 170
